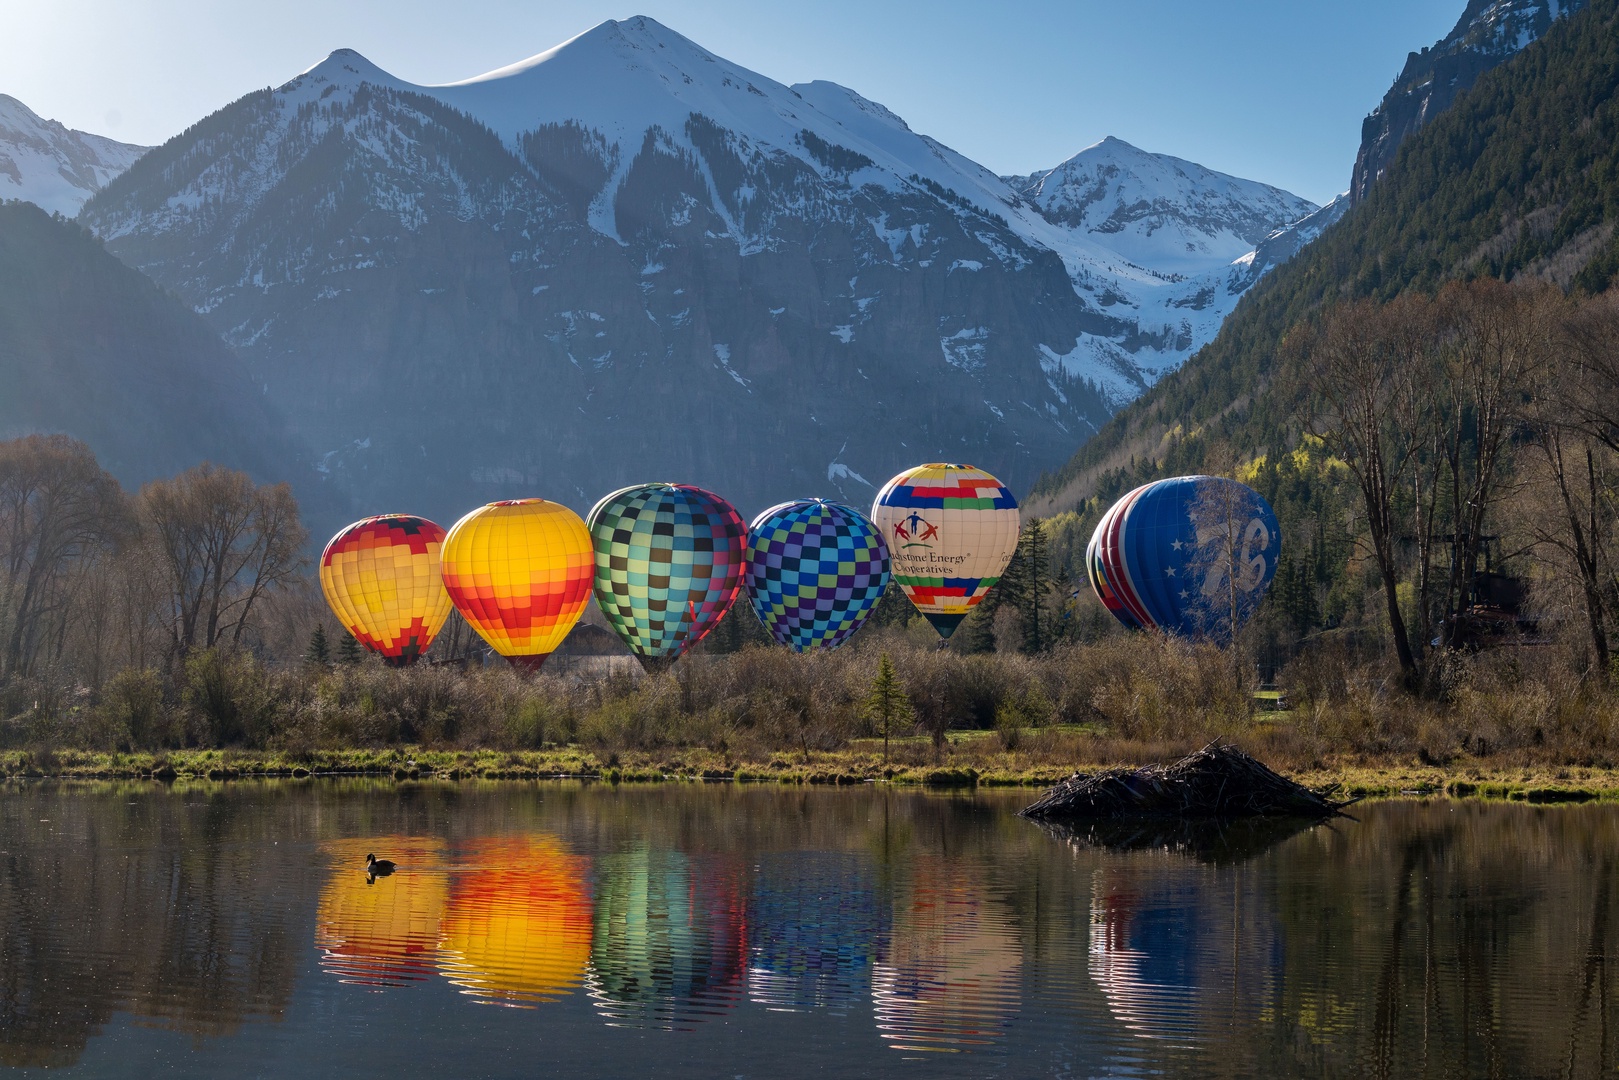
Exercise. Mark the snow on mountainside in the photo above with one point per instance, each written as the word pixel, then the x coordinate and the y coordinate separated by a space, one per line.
pixel 1202 234
pixel 1159 211
pixel 53 166
pixel 634 251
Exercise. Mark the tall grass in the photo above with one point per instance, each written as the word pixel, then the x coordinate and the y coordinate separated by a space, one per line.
pixel 1122 698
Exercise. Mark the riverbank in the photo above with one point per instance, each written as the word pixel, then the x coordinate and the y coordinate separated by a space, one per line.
pixel 968 762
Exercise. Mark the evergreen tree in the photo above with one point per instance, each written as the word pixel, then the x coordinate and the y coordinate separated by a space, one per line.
pixel 887 703
pixel 318 652
pixel 350 651
pixel 1025 584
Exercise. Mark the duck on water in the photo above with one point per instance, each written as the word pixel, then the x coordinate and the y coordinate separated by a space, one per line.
pixel 375 867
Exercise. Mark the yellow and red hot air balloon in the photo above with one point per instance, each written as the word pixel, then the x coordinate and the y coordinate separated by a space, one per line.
pixel 520 573
pixel 381 578
pixel 518 925
pixel 383 932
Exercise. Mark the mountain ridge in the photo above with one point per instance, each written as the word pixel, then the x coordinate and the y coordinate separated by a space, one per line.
pixel 51 165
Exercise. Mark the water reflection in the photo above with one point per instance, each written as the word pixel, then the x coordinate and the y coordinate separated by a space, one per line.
pixel 816 928
pixel 185 931
pixel 668 947
pixel 951 979
pixel 517 927
pixel 382 931
pixel 1177 951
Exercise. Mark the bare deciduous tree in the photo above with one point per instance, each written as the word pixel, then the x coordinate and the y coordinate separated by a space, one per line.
pixel 1369 370
pixel 58 511
pixel 222 544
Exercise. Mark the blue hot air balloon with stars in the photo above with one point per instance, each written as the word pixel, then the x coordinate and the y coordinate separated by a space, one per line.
pixel 1190 556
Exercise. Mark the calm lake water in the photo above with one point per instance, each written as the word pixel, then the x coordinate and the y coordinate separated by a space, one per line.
pixel 758 931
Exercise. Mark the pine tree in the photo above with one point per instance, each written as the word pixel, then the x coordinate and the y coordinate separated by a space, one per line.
pixel 887 702
pixel 318 652
pixel 350 652
pixel 1025 583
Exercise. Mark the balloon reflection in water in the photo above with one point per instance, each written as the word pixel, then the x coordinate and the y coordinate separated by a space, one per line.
pixel 950 980
pixel 384 933
pixel 1161 952
pixel 667 950
pixel 517 929
pixel 815 928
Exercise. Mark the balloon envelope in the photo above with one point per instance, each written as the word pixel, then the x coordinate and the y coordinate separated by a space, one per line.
pixel 383 932
pixel 668 565
pixel 951 530
pixel 815 571
pixel 519 572
pixel 1191 556
pixel 381 577
pixel 517 925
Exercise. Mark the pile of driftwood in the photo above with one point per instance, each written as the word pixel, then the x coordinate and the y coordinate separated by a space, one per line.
pixel 1219 781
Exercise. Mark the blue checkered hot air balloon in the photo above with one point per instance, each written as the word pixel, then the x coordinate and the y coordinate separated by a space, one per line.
pixel 1191 555
pixel 815 570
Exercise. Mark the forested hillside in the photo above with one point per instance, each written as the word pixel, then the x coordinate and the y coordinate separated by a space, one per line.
pixel 93 349
pixel 1520 178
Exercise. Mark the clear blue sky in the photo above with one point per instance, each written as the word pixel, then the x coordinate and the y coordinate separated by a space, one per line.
pixel 1274 90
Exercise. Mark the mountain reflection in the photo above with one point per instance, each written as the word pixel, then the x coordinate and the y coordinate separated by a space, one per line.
pixel 382 932
pixel 517 928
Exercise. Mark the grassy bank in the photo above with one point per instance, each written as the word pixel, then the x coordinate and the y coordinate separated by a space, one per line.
pixel 968 761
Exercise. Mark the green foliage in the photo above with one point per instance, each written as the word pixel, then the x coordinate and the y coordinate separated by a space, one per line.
pixel 350 651
pixel 887 704
pixel 228 698
pixel 318 651
pixel 1520 175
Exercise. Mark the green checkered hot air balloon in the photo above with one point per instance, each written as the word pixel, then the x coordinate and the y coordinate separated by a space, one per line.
pixel 669 562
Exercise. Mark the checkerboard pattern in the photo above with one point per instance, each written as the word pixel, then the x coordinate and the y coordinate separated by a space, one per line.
pixel 381 577
pixel 669 561
pixel 815 571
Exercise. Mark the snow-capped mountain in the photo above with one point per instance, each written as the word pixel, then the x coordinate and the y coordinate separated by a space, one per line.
pixel 1194 240
pixel 1488 33
pixel 1159 211
pixel 627 256
pixel 53 166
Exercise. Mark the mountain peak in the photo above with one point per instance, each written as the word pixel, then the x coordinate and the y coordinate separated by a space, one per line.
pixel 343 67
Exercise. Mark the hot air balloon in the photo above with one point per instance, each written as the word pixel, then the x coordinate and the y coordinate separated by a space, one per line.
pixel 381 577
pixel 817 925
pixel 668 949
pixel 668 565
pixel 1191 556
pixel 517 926
pixel 385 932
pixel 951 530
pixel 952 975
pixel 519 572
pixel 815 571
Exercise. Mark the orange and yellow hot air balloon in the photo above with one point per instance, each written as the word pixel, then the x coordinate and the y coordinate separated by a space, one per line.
pixel 520 573
pixel 382 932
pixel 381 577
pixel 518 926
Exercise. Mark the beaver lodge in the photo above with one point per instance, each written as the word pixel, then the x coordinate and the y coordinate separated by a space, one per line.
pixel 1218 781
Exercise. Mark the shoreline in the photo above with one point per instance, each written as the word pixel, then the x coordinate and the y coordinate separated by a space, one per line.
pixel 1471 779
